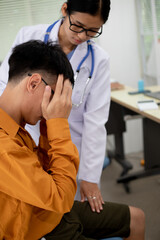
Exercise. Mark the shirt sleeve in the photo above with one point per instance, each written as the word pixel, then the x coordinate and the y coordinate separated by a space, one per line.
pixel 23 177
pixel 94 132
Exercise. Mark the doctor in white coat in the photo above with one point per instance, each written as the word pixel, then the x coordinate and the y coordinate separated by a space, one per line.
pixel 82 21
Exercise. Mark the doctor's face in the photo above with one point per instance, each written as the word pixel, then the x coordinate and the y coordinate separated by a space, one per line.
pixel 80 27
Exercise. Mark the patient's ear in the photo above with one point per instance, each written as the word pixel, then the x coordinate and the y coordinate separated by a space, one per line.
pixel 64 9
pixel 33 82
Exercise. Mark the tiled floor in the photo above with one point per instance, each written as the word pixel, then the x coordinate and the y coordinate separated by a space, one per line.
pixel 144 193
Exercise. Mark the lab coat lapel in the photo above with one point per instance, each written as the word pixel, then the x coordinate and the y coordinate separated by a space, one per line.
pixel 78 55
pixel 54 32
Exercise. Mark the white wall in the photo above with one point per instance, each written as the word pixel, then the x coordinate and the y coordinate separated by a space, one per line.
pixel 15 14
pixel 120 39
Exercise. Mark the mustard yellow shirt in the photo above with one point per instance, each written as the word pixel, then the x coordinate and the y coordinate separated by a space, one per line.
pixel 33 200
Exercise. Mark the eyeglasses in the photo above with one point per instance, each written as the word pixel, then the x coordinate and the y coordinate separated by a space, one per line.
pixel 29 74
pixel 80 29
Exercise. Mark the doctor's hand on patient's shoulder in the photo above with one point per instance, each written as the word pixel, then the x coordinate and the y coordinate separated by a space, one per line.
pixel 92 192
pixel 61 103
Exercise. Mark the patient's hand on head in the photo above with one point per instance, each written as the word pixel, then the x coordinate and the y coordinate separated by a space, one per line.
pixel 61 103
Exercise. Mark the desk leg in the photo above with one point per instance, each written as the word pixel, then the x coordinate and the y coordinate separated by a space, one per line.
pixel 119 154
pixel 139 174
pixel 151 139
pixel 116 126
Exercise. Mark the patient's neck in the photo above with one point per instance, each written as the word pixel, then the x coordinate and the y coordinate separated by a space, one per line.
pixel 9 103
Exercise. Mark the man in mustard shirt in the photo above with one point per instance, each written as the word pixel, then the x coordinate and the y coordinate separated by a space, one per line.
pixel 38 184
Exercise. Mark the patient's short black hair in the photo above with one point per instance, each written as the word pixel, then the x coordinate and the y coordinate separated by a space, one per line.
pixel 36 55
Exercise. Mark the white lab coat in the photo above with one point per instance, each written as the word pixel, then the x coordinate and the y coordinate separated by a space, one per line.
pixel 87 121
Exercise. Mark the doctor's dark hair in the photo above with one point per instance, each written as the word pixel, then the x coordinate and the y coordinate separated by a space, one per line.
pixel 35 55
pixel 93 7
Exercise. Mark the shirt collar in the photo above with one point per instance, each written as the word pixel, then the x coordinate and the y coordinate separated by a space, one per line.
pixel 8 124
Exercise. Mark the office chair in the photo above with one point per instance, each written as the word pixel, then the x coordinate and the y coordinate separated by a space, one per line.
pixel 116 126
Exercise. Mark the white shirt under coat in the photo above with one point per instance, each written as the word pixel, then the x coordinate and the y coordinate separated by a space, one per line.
pixel 87 121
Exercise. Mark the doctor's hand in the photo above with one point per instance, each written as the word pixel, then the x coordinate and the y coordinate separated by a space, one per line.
pixel 92 192
pixel 61 103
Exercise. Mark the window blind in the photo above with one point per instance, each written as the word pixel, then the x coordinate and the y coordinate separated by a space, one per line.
pixel 149 25
pixel 15 14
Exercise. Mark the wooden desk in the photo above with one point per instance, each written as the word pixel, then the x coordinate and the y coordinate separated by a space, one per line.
pixel 151 132
pixel 130 101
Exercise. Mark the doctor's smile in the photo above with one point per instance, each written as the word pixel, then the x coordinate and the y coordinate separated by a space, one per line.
pixel 77 41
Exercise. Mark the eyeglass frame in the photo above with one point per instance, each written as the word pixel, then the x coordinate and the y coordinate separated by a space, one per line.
pixel 84 29
pixel 29 74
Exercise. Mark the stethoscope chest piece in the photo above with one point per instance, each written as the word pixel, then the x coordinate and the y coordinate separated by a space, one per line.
pixel 79 69
pixel 80 86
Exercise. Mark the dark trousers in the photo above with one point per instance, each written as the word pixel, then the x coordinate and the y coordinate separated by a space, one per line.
pixel 82 224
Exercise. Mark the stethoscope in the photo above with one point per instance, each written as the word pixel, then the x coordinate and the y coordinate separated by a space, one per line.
pixel 89 50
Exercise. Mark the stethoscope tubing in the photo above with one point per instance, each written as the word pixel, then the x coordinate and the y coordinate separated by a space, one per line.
pixel 49 29
pixel 89 50
pixel 92 55
pixel 85 57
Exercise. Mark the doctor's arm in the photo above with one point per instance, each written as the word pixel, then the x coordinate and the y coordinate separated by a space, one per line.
pixel 94 136
pixel 4 68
